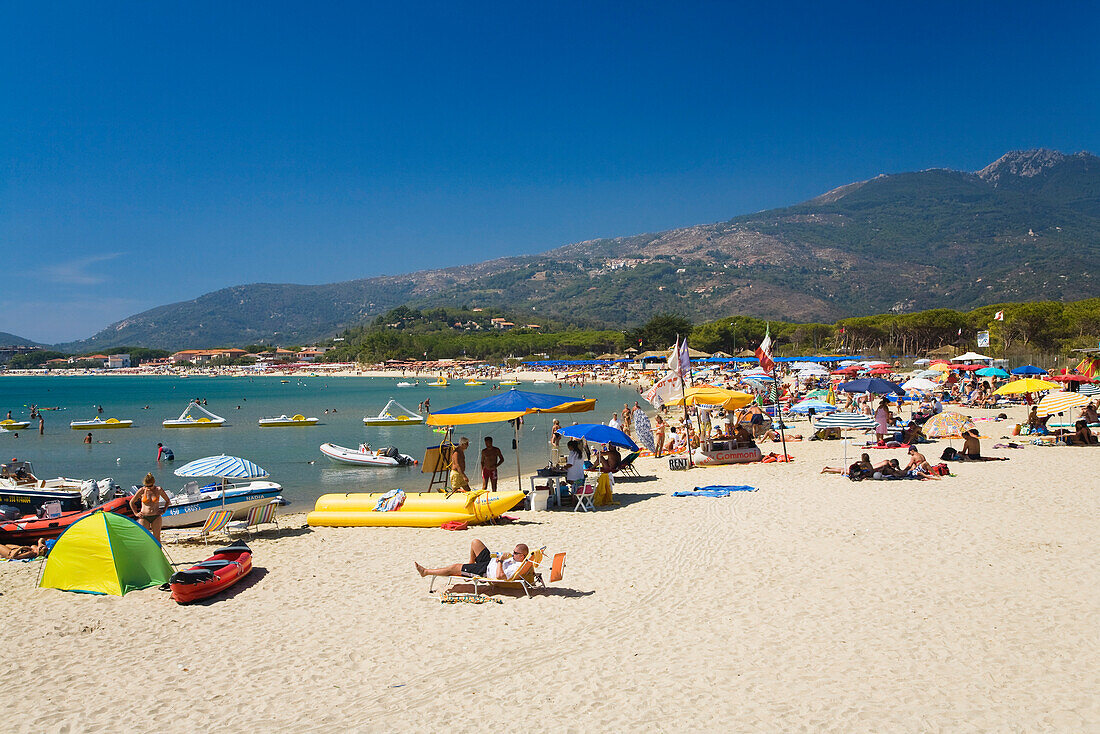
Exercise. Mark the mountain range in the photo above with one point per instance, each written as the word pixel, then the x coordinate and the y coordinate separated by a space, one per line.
pixel 1025 227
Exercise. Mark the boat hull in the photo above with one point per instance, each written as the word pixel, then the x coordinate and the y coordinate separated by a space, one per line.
pixel 420 509
pixel 352 457
pixel 393 421
pixel 195 511
pixel 99 425
pixel 193 424
pixel 14 425
pixel 22 532
pixel 276 423
pixel 239 565
pixel 29 498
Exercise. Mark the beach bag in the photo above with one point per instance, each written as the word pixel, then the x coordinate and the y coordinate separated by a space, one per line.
pixel 949 454
pixel 941 470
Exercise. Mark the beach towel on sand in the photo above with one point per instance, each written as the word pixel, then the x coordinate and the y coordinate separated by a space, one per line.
pixel 715 490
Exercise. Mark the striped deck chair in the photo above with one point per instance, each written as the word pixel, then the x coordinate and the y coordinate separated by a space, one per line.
pixel 258 515
pixel 525 576
pixel 217 522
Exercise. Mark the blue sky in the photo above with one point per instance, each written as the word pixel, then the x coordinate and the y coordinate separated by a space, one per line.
pixel 152 152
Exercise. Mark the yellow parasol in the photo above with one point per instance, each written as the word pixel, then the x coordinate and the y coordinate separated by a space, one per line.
pixel 729 399
pixel 1027 384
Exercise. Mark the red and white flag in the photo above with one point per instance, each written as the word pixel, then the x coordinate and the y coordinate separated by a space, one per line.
pixel 764 352
pixel 999 316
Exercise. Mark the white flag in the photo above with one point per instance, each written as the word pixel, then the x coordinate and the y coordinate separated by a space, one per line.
pixel 999 316
pixel 664 390
pixel 674 357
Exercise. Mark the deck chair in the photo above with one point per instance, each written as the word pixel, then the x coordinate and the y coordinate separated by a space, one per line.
pixel 258 515
pixel 584 497
pixel 215 523
pixel 626 466
pixel 525 576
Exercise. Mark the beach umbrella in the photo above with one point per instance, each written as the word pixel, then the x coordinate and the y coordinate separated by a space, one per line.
pixel 813 372
pixel 1024 385
pixel 929 374
pixel 729 399
pixel 819 406
pixel 971 357
pixel 882 371
pixel 1060 402
pixel 991 372
pixel 1028 369
pixel 599 433
pixel 222 467
pixel 1089 390
pixel 803 366
pixel 940 367
pixel 507 407
pixel 1070 378
pixel 873 384
pixel 923 361
pixel 845 421
pixel 946 425
pixel 919 384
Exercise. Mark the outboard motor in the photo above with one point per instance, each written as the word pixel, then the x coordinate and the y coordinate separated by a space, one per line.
pixel 390 452
pixel 9 512
pixel 89 493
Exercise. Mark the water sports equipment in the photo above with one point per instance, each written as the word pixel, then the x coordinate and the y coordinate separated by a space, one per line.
pixel 96 423
pixel 12 425
pixel 473 383
pixel 283 420
pixel 22 532
pixel 387 456
pixel 217 573
pixel 193 504
pixel 726 452
pixel 509 382
pixel 105 553
pixel 407 384
pixel 394 414
pixel 420 509
pixel 187 420
pixel 440 382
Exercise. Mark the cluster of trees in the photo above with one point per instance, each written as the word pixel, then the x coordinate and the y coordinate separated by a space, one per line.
pixel 39 357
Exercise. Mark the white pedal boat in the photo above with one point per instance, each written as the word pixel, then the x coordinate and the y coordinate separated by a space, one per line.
pixel 394 414
pixel 283 420
pixel 365 456
pixel 187 420
pixel 96 423
pixel 11 425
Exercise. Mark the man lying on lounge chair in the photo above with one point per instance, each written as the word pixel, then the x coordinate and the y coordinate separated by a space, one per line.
pixel 481 564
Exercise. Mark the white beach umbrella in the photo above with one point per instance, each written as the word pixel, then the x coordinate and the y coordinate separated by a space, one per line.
pixel 1061 402
pixel 919 384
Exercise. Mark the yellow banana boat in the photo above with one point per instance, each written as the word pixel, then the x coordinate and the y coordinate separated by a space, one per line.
pixel 420 510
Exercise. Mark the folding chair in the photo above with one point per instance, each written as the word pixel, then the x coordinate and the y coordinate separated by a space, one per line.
pixel 584 497
pixel 626 466
pixel 215 523
pixel 258 515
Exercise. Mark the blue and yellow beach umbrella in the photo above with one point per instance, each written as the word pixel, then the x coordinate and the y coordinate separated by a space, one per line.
pixel 508 406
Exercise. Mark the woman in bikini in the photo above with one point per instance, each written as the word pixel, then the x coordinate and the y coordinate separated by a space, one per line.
pixel 146 504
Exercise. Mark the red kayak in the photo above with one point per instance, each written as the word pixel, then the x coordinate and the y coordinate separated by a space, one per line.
pixel 23 532
pixel 217 573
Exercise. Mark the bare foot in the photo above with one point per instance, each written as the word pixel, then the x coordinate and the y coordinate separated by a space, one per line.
pixel 420 569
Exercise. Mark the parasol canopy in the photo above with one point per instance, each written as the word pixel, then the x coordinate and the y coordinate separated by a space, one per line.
pixel 947 425
pixel 845 421
pixel 223 467
pixel 599 433
pixel 873 384
pixel 991 372
pixel 1060 402
pixel 507 406
pixel 729 399
pixel 1028 369
pixel 819 406
pixel 971 357
pixel 1026 384
pixel 919 384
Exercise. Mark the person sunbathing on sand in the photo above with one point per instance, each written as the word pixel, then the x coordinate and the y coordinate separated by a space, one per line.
pixel 972 448
pixel 918 464
pixel 1082 436
pixel 481 564
pixel 864 465
pixel 21 552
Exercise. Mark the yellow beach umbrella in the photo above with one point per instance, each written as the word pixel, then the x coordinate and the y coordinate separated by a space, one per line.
pixel 1060 402
pixel 940 367
pixel 714 396
pixel 1028 384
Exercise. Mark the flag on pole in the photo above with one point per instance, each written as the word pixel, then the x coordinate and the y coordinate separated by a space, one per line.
pixel 685 359
pixel 999 316
pixel 764 352
pixel 663 391
pixel 674 357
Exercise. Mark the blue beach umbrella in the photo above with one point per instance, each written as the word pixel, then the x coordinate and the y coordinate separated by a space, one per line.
pixel 223 467
pixel 1028 369
pixel 599 433
pixel 819 406
pixel 991 372
pixel 873 384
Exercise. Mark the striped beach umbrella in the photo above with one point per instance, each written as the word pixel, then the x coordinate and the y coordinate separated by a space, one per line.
pixel 947 425
pixel 819 406
pixel 223 467
pixel 1089 390
pixel 1061 402
pixel 845 421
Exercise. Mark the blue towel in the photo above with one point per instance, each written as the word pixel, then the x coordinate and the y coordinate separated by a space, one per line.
pixel 390 501
pixel 715 490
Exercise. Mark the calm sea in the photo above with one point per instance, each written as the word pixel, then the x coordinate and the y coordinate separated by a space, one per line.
pixel 290 455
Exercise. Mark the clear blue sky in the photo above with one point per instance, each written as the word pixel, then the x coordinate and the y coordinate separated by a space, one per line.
pixel 151 152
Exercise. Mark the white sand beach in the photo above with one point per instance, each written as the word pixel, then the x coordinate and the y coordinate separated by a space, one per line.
pixel 813 604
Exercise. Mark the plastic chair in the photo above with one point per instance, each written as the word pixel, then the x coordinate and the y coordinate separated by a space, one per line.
pixel 584 497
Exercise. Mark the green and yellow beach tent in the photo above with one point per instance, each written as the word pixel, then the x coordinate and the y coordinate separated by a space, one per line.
pixel 105 553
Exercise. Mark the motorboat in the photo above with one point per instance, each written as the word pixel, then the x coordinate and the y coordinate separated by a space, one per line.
pixel 394 414
pixel 28 529
pixel 97 423
pixel 407 384
pixel 387 456
pixel 193 504
pixel 283 420
pixel 21 489
pixel 187 418
pixel 13 425
pixel 440 382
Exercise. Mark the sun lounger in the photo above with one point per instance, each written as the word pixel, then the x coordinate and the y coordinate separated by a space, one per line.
pixel 526 576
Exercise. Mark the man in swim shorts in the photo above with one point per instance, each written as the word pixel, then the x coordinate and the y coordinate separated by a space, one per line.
pixel 481 563
pixel 491 458
pixel 459 482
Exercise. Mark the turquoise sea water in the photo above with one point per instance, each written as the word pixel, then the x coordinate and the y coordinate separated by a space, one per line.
pixel 284 452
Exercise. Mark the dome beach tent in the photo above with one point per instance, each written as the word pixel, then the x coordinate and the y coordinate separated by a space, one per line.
pixel 105 553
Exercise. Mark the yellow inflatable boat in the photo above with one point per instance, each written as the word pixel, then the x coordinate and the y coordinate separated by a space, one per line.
pixel 420 510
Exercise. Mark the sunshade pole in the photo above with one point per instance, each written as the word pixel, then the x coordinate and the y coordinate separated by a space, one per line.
pixel 519 475
pixel 683 398
pixel 779 411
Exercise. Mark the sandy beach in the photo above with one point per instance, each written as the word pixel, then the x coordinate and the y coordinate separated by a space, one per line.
pixel 814 603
